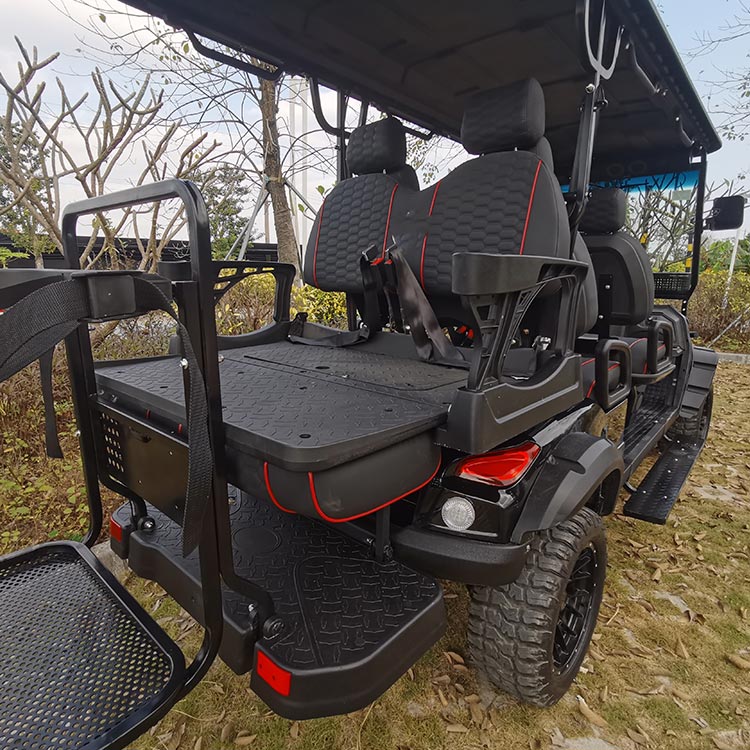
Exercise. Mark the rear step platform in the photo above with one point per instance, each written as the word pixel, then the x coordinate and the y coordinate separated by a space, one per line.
pixel 658 492
pixel 351 626
pixel 81 664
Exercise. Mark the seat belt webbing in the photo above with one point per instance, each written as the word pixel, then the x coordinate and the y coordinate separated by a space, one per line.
pixel 30 330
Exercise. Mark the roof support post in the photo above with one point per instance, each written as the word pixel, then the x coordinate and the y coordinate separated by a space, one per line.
pixel 342 171
pixel 593 102
pixel 700 206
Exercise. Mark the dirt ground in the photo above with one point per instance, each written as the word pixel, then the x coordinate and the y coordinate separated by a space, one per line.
pixel 669 667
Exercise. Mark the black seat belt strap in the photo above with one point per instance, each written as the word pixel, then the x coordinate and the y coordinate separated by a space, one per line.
pixel 429 338
pixel 300 334
pixel 30 329
pixel 51 438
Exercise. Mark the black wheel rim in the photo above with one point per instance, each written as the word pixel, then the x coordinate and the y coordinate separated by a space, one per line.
pixel 574 620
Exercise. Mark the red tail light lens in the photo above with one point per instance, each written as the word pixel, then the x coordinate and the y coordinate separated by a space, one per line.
pixel 500 468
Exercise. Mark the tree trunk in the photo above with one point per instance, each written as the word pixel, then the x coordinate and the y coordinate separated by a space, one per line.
pixel 282 215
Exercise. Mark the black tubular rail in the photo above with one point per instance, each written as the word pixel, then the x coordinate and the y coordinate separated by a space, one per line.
pixel 195 300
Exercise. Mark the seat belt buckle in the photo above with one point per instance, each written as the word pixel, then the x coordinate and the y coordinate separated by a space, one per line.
pixel 371 256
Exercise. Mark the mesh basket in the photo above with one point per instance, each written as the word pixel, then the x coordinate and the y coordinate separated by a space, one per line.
pixel 672 285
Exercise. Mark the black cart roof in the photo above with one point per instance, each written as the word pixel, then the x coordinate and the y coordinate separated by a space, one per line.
pixel 419 59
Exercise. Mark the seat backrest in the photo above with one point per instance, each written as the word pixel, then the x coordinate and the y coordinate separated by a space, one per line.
pixel 504 201
pixel 588 303
pixel 357 212
pixel 617 253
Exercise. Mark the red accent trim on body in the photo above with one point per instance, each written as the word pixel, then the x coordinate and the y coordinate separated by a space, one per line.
pixel 270 491
pixel 115 530
pixel 325 517
pixel 277 677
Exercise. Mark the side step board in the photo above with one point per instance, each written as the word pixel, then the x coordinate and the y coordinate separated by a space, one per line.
pixel 81 663
pixel 350 626
pixel 658 492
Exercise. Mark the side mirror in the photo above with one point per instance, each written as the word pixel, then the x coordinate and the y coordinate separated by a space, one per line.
pixel 727 213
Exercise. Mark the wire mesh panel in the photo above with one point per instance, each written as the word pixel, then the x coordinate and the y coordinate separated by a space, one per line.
pixel 672 285
pixel 75 663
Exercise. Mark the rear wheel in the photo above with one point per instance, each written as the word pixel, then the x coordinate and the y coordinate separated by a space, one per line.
pixel 696 426
pixel 530 636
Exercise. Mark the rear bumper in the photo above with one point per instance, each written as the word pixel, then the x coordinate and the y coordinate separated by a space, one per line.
pixel 459 559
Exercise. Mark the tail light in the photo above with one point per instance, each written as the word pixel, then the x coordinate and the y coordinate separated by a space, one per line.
pixel 499 468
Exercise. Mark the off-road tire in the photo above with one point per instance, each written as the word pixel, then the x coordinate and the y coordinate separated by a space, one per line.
pixel 697 426
pixel 512 628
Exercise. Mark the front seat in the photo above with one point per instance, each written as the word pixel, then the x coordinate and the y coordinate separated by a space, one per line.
pixel 620 262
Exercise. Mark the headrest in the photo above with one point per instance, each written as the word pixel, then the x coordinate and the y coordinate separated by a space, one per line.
pixel 544 151
pixel 504 118
pixel 377 147
pixel 605 211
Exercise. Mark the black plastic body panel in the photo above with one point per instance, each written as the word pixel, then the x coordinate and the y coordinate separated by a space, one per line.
pixel 146 460
pixel 459 559
pixel 481 420
pixel 571 474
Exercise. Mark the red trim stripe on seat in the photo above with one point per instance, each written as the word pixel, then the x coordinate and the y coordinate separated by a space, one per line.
pixel 426 234
pixel 531 203
pixel 317 240
pixel 593 383
pixel 388 221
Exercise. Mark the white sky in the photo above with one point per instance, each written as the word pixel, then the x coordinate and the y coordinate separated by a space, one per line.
pixel 37 22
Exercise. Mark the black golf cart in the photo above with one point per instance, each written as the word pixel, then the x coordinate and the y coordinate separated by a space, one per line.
pixel 299 490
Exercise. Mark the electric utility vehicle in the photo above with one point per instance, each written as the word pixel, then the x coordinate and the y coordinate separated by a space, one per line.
pixel 301 490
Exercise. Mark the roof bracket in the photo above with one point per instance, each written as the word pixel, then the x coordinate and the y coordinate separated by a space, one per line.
pixel 318 110
pixel 234 62
pixel 654 88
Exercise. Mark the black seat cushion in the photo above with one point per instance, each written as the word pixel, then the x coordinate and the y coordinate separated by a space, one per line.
pixel 498 203
pixel 639 353
pixel 588 303
pixel 356 214
pixel 505 201
pixel 588 375
pixel 504 118
pixel 318 431
pixel 379 146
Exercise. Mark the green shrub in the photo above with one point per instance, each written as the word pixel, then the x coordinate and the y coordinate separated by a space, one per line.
pixel 708 316
pixel 326 308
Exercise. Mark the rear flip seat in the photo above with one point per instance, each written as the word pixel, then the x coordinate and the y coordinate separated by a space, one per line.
pixel 319 430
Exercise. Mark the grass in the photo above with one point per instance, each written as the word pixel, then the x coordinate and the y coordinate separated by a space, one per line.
pixel 677 606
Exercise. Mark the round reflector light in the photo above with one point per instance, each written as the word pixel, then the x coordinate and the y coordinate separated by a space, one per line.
pixel 458 513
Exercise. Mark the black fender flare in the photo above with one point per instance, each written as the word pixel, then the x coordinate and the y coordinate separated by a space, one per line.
pixel 571 474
